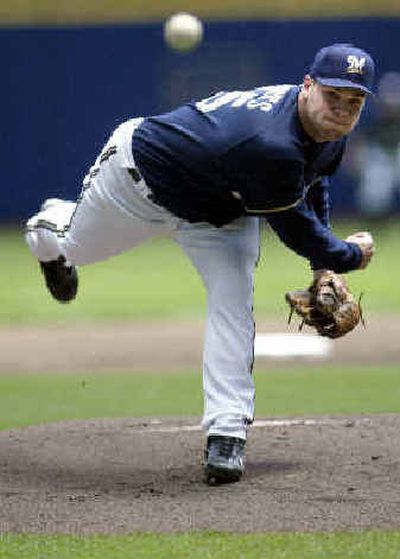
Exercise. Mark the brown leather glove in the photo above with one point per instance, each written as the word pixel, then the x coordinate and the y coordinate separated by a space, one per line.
pixel 327 305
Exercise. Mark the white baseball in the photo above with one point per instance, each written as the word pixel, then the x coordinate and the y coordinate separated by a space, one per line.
pixel 183 31
pixel 366 243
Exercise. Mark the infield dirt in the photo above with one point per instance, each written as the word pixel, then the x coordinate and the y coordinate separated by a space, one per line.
pixel 165 346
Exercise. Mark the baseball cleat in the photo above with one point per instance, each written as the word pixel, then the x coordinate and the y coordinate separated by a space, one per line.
pixel 61 279
pixel 223 459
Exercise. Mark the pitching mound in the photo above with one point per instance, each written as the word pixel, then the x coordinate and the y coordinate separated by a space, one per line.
pixel 119 476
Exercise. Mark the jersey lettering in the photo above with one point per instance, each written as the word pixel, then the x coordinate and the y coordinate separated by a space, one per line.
pixel 262 98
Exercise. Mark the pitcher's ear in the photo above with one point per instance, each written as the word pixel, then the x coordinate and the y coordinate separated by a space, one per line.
pixel 307 81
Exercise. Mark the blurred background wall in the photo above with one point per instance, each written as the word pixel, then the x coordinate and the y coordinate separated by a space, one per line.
pixel 72 70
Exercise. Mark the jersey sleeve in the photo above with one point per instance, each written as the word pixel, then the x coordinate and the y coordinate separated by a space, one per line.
pixel 318 200
pixel 303 232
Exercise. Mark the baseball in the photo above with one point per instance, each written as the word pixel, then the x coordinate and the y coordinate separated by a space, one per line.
pixel 183 31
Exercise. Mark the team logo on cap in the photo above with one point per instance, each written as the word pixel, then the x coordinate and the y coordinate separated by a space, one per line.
pixel 355 64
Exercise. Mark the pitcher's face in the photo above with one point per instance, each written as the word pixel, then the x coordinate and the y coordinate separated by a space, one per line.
pixel 329 113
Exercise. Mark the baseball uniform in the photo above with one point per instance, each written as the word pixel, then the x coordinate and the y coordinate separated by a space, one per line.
pixel 207 173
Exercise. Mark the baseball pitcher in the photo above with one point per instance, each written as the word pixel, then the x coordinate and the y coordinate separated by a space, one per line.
pixel 208 173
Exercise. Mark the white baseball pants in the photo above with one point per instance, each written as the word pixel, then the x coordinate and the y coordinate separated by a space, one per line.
pixel 113 214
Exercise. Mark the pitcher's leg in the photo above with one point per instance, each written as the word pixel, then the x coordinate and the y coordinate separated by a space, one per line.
pixel 44 229
pixel 225 259
pixel 111 215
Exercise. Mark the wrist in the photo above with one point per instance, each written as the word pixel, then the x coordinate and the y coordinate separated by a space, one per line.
pixel 318 273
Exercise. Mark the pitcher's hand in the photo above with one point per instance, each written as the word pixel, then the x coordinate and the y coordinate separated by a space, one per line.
pixel 366 243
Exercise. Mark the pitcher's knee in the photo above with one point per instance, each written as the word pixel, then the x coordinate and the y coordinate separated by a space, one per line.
pixel 237 286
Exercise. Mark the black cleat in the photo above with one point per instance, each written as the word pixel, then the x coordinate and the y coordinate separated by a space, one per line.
pixel 223 459
pixel 61 280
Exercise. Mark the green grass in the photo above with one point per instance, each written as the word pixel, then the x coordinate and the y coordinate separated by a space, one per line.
pixel 34 399
pixel 366 545
pixel 156 280
pixel 48 398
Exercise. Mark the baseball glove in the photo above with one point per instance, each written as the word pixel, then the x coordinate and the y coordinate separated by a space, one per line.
pixel 327 305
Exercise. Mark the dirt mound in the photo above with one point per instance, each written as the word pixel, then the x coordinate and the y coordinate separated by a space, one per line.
pixel 119 476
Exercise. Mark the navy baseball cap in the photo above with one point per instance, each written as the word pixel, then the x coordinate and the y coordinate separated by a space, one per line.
pixel 344 65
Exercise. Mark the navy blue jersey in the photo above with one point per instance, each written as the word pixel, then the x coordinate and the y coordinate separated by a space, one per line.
pixel 245 153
